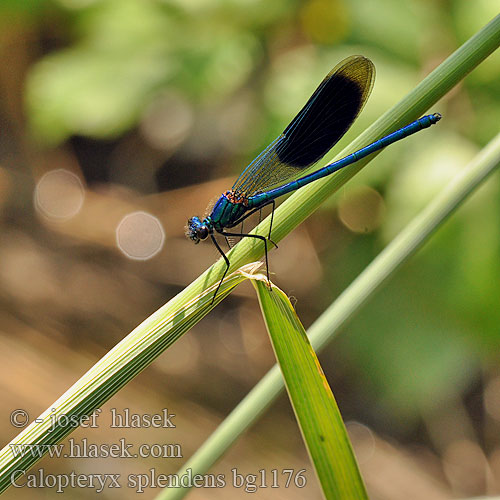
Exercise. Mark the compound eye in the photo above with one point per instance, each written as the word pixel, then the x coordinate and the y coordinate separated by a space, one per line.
pixel 202 232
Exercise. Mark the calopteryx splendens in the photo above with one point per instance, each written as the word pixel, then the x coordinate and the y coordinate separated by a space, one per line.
pixel 320 124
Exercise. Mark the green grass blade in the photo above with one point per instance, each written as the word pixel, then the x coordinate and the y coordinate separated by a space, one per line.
pixel 312 400
pixel 349 302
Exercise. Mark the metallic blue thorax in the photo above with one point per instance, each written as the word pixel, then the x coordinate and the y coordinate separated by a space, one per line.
pixel 226 211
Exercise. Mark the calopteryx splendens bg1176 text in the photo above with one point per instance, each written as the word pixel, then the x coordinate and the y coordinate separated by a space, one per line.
pixel 321 123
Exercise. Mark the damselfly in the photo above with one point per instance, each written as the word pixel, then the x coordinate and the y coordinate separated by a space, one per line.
pixel 321 123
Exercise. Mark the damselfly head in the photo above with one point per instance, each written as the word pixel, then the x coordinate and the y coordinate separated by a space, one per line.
pixel 196 230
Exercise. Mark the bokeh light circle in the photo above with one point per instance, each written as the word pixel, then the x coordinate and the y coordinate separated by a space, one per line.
pixel 140 236
pixel 59 195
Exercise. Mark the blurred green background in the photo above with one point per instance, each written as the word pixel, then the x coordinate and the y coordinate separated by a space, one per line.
pixel 113 107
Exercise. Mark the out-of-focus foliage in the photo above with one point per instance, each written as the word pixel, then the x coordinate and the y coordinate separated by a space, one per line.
pixel 126 52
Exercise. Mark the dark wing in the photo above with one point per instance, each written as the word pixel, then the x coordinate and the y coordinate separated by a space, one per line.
pixel 321 123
